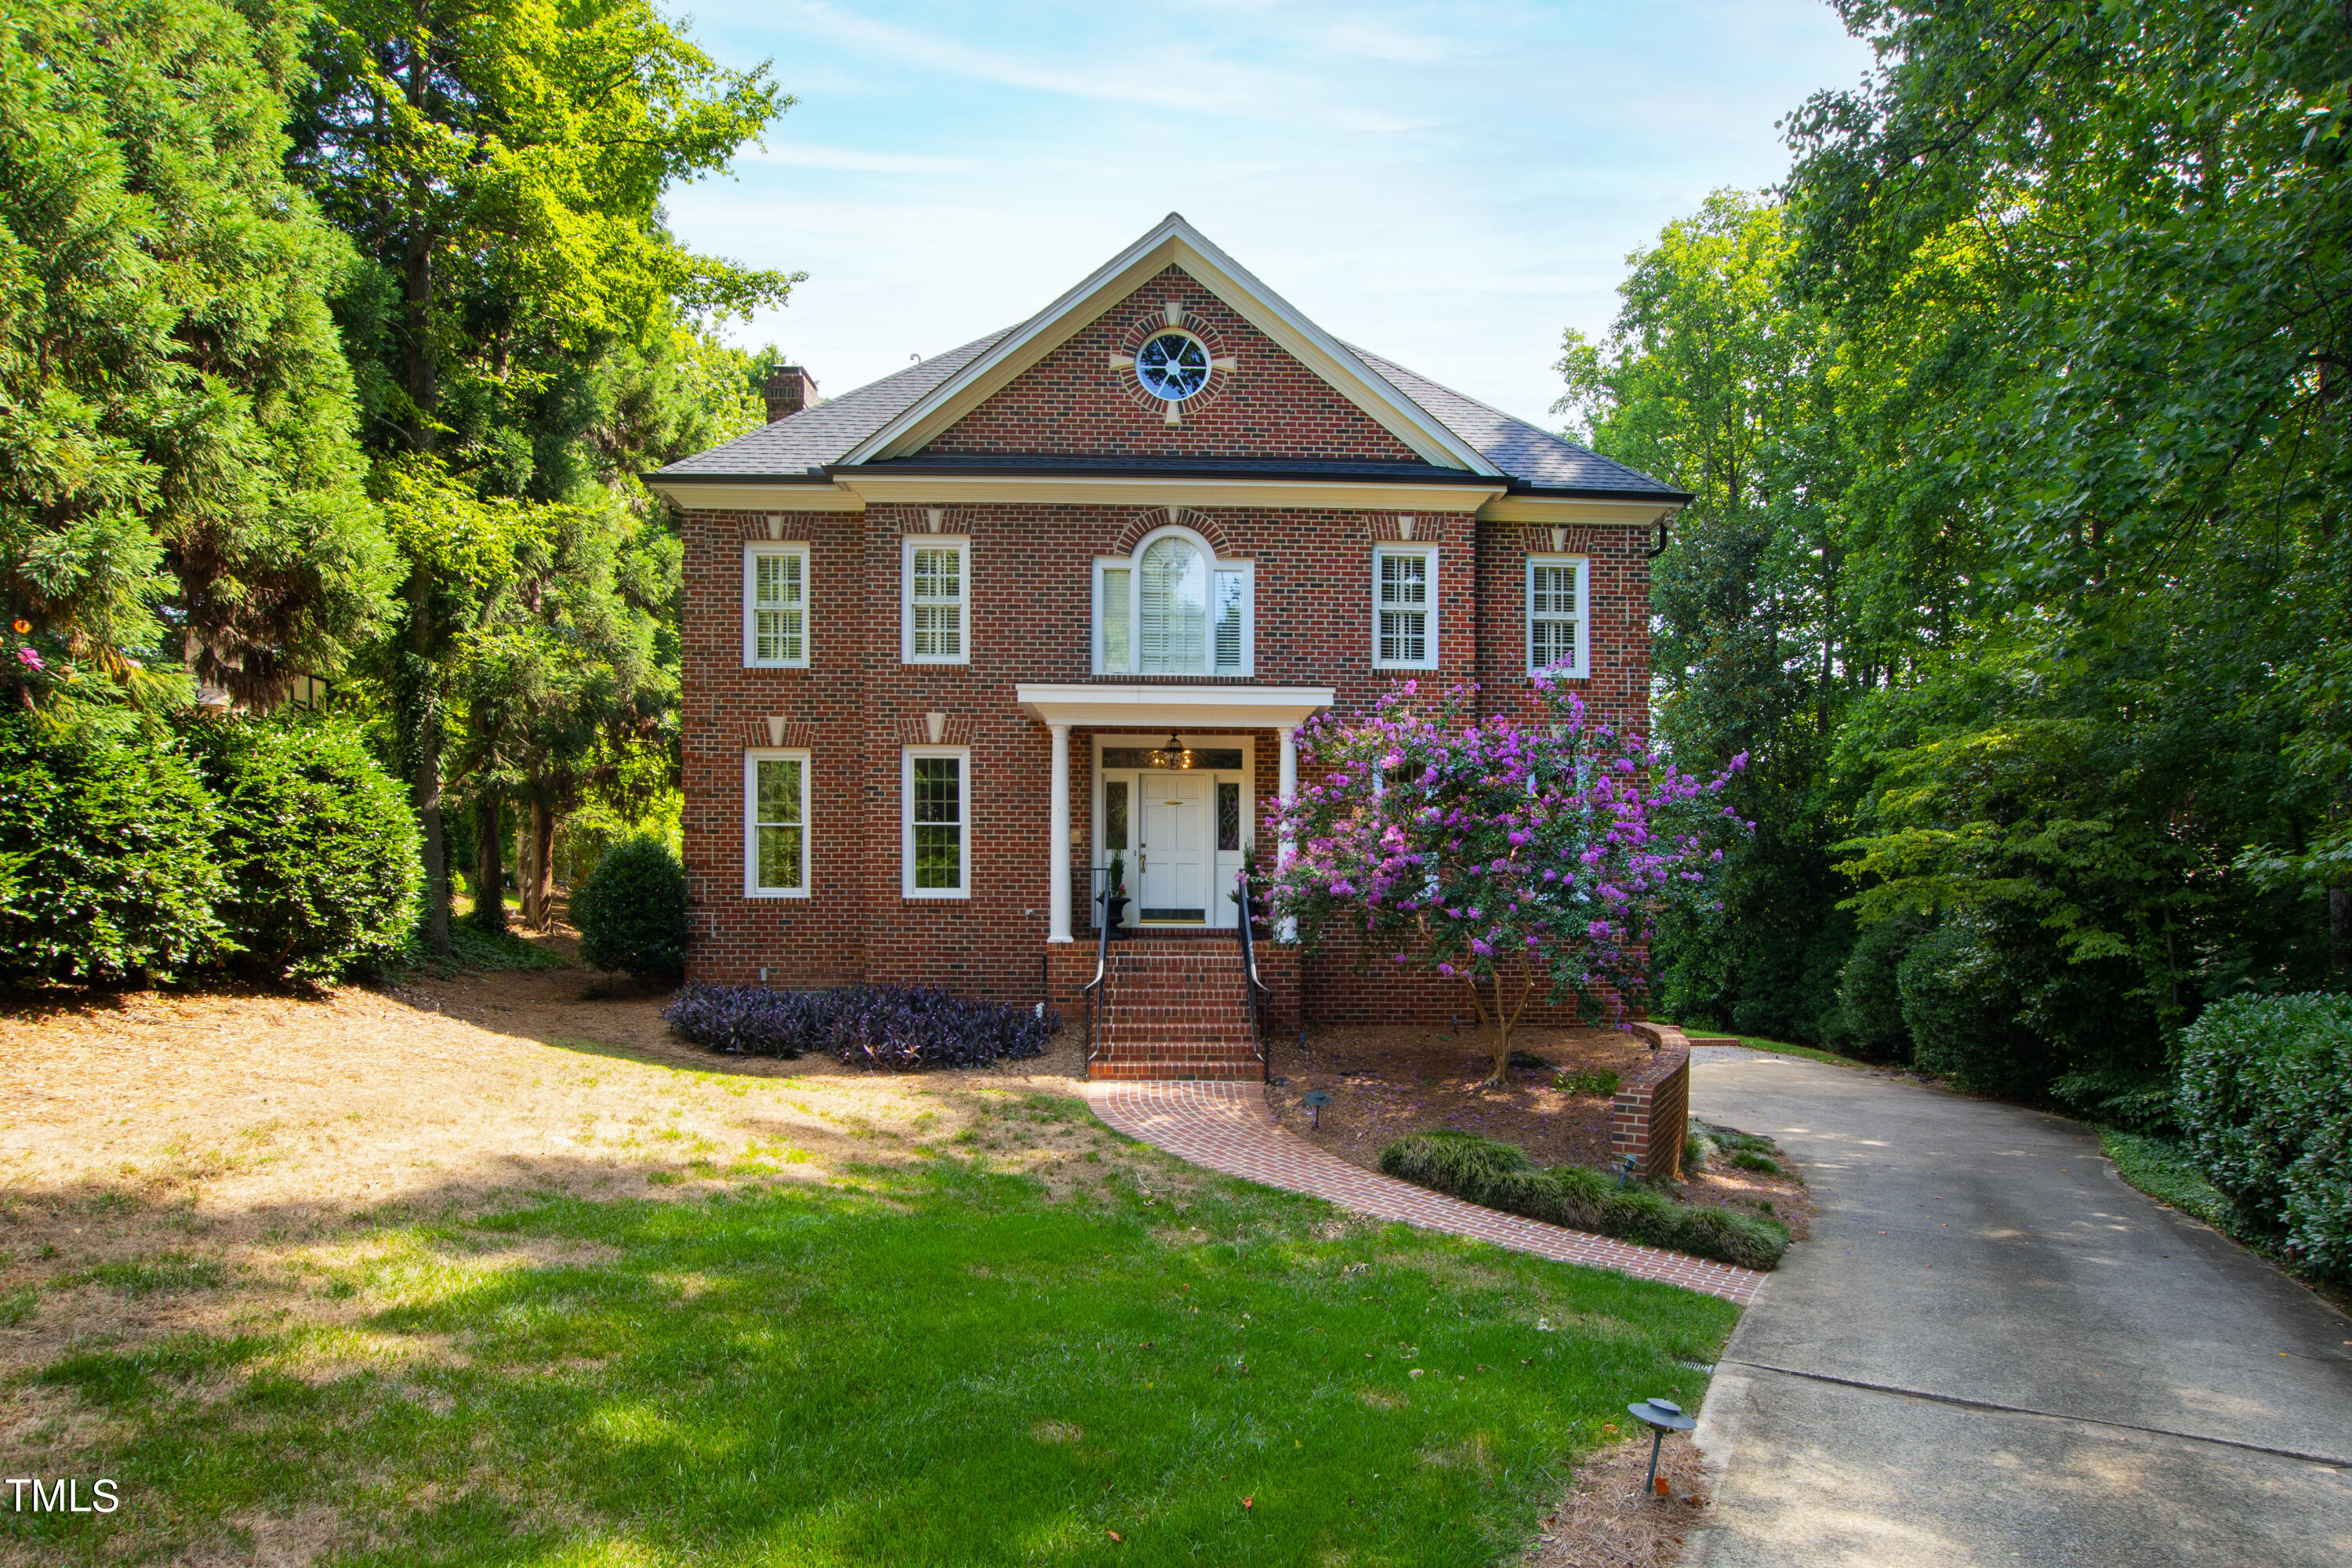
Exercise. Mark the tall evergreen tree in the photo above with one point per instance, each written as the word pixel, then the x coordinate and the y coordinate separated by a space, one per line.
pixel 178 474
pixel 500 165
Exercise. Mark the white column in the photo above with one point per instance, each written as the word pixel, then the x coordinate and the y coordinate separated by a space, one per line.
pixel 1057 862
pixel 1285 788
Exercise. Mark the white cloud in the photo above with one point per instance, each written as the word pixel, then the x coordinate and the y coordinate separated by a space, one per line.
pixel 1448 183
pixel 851 160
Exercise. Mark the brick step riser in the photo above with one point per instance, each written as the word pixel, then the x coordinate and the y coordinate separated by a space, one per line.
pixel 1175 1011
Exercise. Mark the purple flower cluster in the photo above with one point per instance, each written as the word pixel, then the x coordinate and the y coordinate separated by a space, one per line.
pixel 901 1028
pixel 1474 842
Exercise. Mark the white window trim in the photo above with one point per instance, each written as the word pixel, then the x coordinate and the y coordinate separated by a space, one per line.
pixel 1132 564
pixel 1582 668
pixel 906 888
pixel 1428 553
pixel 752 554
pixel 962 547
pixel 753 758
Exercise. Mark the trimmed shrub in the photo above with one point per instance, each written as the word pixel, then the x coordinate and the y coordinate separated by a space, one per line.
pixel 896 1027
pixel 1962 1005
pixel 2265 1097
pixel 1867 1021
pixel 1499 1175
pixel 318 845
pixel 631 911
pixel 108 872
pixel 2135 1102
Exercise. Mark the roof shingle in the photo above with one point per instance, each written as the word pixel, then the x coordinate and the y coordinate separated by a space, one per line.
pixel 1534 458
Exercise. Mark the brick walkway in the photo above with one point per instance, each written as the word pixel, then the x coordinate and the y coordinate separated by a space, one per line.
pixel 1227 1127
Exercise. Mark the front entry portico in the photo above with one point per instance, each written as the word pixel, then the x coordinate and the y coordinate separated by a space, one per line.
pixel 1181 830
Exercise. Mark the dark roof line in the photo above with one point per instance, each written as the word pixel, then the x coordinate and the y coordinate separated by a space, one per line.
pixel 809 447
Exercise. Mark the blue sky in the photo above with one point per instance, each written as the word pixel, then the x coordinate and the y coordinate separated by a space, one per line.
pixel 1448 185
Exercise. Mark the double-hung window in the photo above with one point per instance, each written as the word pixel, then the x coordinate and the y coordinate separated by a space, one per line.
pixel 1404 606
pixel 775 824
pixel 1557 616
pixel 775 606
pixel 937 603
pixel 1173 608
pixel 935 791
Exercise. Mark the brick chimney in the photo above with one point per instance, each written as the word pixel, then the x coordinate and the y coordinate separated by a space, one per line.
pixel 790 390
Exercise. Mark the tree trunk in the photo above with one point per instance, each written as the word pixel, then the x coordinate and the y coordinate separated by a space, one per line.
pixel 2339 927
pixel 522 863
pixel 1501 1020
pixel 489 864
pixel 422 699
pixel 540 898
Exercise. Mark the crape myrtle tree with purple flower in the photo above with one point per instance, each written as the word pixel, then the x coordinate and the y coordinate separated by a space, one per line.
pixel 1515 858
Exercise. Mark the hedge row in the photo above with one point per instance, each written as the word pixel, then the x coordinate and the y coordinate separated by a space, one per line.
pixel 899 1027
pixel 277 848
pixel 2264 1097
pixel 1500 1176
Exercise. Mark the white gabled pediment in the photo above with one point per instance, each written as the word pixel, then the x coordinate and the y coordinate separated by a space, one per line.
pixel 1174 242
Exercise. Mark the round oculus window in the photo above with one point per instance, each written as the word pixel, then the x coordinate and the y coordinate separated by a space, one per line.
pixel 1172 367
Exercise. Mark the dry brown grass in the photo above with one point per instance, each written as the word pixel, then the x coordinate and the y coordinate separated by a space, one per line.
pixel 248 1134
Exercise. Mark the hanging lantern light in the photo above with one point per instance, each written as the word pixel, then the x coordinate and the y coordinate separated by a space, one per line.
pixel 1174 754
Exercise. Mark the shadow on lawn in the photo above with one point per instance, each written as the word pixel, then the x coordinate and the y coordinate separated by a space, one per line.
pixel 927 1363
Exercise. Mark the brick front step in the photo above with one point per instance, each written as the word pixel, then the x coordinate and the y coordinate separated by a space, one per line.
pixel 1175 1008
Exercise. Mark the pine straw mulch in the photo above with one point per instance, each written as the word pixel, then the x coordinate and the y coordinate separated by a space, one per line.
pixel 1386 1083
pixel 1608 1520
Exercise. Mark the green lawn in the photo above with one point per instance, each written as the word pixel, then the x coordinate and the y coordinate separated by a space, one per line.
pixel 926 1362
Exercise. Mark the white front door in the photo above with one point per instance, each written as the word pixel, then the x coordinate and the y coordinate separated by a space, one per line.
pixel 1173 847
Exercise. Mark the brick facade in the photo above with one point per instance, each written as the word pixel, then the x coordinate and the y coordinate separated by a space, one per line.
pixel 1266 405
pixel 1030 620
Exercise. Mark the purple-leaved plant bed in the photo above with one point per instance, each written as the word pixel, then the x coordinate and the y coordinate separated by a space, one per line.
pixel 902 1029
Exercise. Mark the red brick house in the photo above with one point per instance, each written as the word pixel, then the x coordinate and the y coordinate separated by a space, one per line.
pixel 955 638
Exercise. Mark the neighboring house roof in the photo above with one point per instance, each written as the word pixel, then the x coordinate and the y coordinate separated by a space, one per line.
pixel 887 424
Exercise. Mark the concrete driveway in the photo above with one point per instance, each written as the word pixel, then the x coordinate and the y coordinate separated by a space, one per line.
pixel 1994 1351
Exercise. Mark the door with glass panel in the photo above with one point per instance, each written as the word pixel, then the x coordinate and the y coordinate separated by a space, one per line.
pixel 1181 832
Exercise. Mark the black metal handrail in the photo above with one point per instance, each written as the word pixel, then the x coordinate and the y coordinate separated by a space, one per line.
pixel 1094 987
pixel 1254 986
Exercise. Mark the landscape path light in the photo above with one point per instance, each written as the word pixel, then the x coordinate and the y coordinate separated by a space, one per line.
pixel 1315 1099
pixel 1662 1416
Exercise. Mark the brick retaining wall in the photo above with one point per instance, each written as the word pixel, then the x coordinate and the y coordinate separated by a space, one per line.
pixel 1651 1113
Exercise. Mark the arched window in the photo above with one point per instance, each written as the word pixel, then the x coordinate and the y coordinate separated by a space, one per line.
pixel 1172 609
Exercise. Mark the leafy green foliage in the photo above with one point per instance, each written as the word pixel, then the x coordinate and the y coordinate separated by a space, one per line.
pixel 1500 1175
pixel 178 471
pixel 1594 1082
pixel 2019 563
pixel 2134 1101
pixel 631 911
pixel 527 333
pixel 2167 1171
pixel 1867 1022
pixel 318 844
pixel 2265 1096
pixel 109 836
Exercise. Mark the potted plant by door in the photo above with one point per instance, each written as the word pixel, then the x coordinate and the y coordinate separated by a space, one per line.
pixel 1254 913
pixel 1115 897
